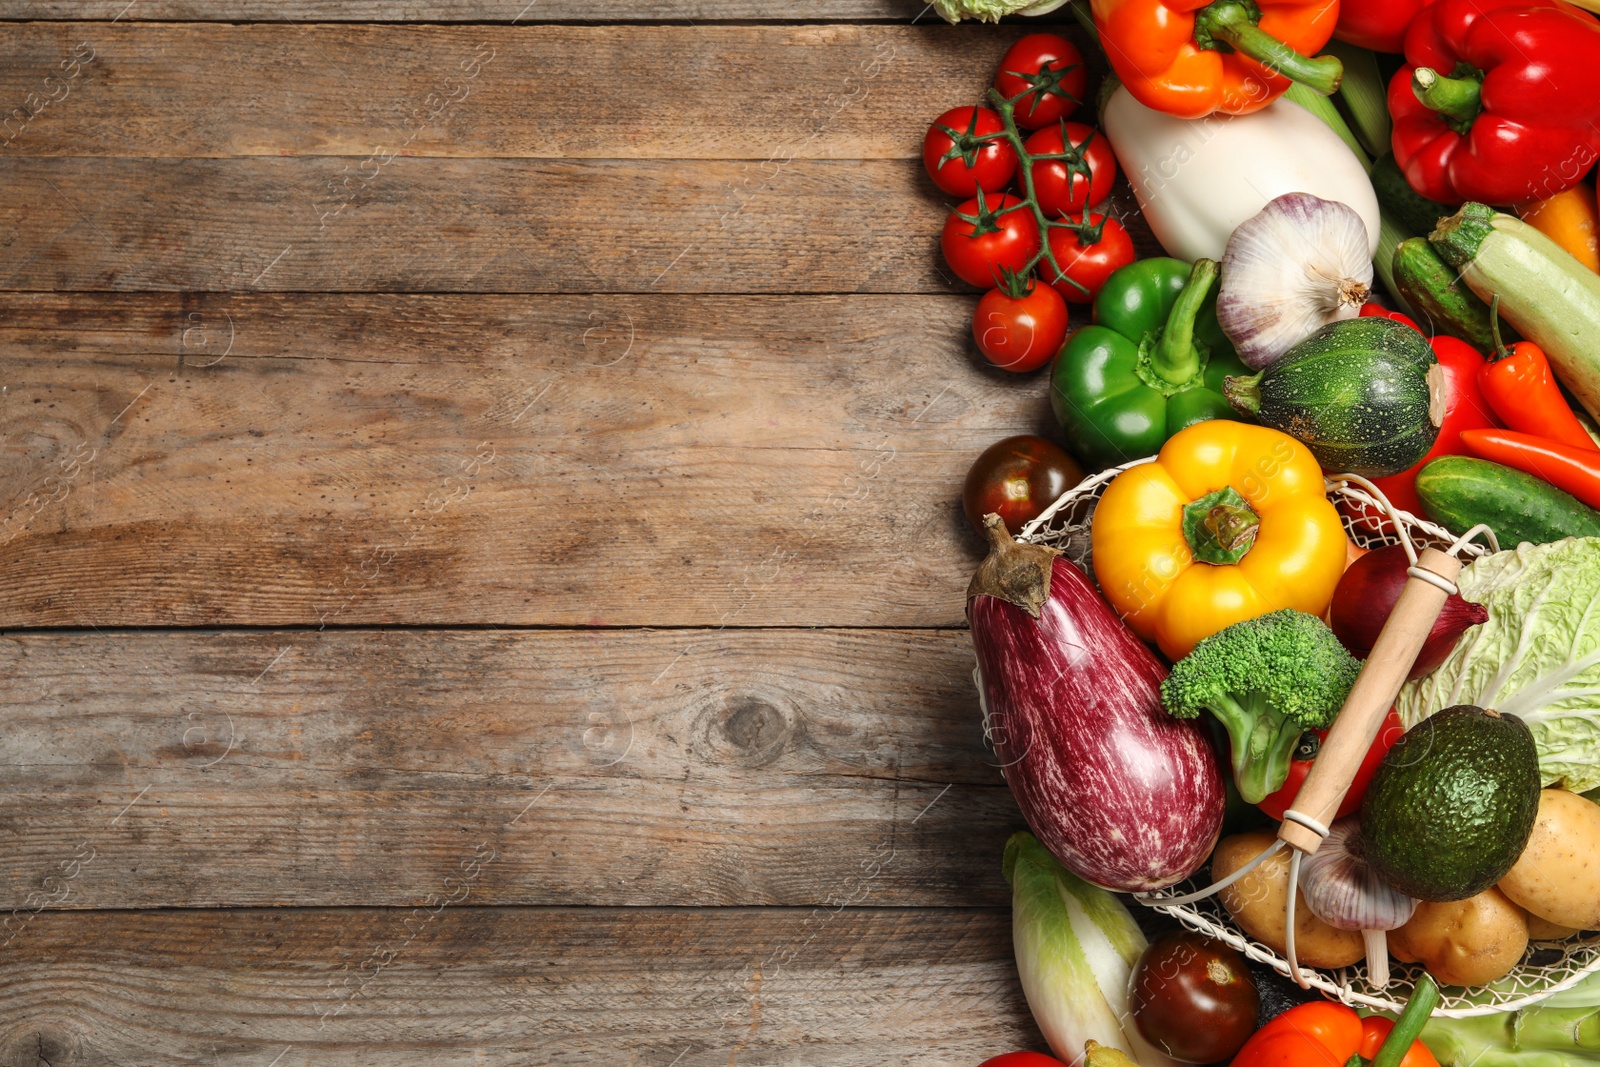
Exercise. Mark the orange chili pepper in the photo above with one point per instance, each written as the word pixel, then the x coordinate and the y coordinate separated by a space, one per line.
pixel 1190 58
pixel 1518 385
pixel 1575 470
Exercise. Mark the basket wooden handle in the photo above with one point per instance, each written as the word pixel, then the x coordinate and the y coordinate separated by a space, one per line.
pixel 1392 656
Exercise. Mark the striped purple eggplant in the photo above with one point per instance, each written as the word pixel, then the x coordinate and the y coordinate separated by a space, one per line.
pixel 1123 794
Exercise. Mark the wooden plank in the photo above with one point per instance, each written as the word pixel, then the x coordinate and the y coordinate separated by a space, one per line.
pixel 480 225
pixel 476 225
pixel 476 986
pixel 755 93
pixel 520 12
pixel 292 459
pixel 605 767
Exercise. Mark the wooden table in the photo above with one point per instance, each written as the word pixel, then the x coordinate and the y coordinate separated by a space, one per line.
pixel 482 567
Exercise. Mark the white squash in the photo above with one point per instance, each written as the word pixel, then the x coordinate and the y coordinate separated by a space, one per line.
pixel 1198 179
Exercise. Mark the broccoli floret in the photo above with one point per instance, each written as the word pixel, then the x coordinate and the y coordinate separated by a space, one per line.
pixel 1267 680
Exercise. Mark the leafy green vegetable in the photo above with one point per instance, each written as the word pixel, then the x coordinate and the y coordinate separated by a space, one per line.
pixel 1076 946
pixel 1556 1032
pixel 1537 657
pixel 1267 680
pixel 990 11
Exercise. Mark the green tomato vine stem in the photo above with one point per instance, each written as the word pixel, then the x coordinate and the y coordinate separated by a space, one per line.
pixel 1088 233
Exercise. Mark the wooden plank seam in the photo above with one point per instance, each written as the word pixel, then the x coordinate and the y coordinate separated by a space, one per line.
pixel 866 71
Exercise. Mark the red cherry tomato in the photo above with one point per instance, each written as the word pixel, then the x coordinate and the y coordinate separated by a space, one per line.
pixel 1275 804
pixel 1052 68
pixel 1022 1059
pixel 1017 478
pixel 1089 265
pixel 1193 998
pixel 963 155
pixel 984 235
pixel 1065 187
pixel 1020 333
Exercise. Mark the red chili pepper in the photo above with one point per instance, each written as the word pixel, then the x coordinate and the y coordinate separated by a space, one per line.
pixel 1376 24
pixel 1575 470
pixel 1323 1033
pixel 1496 100
pixel 1310 744
pixel 1518 385
pixel 1465 409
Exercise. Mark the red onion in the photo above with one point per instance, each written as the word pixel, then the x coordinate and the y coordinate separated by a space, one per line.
pixel 1366 594
pixel 1123 794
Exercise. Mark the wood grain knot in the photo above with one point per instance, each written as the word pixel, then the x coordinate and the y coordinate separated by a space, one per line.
pixel 749 730
pixel 42 1043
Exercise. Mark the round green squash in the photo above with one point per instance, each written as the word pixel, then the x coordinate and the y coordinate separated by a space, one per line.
pixel 1366 395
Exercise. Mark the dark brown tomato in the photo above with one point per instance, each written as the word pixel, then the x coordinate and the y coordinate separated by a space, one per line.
pixel 1017 478
pixel 1193 997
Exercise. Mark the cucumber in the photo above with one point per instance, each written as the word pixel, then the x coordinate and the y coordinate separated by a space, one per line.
pixel 1459 492
pixel 1551 298
pixel 1414 212
pixel 1365 395
pixel 1432 287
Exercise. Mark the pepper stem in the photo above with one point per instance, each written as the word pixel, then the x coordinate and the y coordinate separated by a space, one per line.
pixel 1500 350
pixel 1174 357
pixel 1410 1024
pixel 1457 100
pixel 1233 22
pixel 1220 528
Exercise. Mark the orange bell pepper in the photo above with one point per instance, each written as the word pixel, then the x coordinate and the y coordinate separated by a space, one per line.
pixel 1571 219
pixel 1190 58
pixel 1323 1034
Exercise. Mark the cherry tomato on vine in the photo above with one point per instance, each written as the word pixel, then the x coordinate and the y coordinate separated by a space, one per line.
pixel 1052 67
pixel 1193 998
pixel 1017 478
pixel 959 158
pixel 1022 1059
pixel 1066 187
pixel 984 235
pixel 1020 333
pixel 1087 257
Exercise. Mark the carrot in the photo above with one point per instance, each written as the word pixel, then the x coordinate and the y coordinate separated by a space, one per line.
pixel 1571 219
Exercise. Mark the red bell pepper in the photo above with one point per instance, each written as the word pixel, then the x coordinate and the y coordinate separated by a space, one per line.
pixel 1465 409
pixel 1323 1034
pixel 1310 743
pixel 1496 100
pixel 1376 24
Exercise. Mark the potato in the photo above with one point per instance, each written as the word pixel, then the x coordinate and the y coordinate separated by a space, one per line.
pixel 1557 876
pixel 1545 930
pixel 1257 903
pixel 1464 942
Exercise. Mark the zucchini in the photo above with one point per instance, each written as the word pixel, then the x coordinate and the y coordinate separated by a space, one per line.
pixel 1414 212
pixel 1365 395
pixel 1459 492
pixel 1551 298
pixel 1432 286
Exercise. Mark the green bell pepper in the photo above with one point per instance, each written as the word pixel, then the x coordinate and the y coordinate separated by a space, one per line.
pixel 1152 364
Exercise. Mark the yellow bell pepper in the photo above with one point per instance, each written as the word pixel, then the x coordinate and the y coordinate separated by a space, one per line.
pixel 1230 521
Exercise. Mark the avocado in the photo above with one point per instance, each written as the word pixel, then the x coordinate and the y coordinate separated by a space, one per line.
pixel 1452 804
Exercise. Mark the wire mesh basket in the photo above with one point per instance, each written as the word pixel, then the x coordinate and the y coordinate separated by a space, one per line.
pixel 1548 966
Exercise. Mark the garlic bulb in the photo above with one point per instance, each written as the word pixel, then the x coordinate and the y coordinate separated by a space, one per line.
pixel 1345 892
pixel 1297 265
